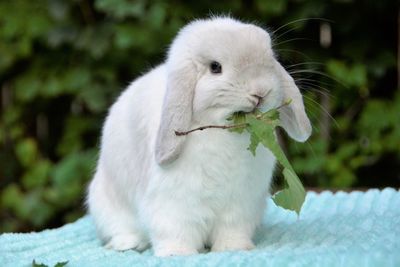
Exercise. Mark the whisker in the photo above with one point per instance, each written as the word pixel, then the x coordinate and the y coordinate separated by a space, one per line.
pixel 309 88
pixel 311 108
pixel 274 38
pixel 311 81
pixel 319 73
pixel 295 51
pixel 300 20
pixel 323 109
pixel 304 63
pixel 312 87
pixel 291 40
pixel 311 148
pixel 315 87
pixel 314 117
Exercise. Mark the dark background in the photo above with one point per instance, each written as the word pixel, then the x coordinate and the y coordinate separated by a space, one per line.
pixel 62 63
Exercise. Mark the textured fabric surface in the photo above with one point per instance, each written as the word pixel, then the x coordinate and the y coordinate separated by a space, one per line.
pixel 355 229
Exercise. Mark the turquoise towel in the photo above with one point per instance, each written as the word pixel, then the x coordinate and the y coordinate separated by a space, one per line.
pixel 355 229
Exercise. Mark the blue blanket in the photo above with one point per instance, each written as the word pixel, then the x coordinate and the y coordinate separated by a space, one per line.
pixel 355 229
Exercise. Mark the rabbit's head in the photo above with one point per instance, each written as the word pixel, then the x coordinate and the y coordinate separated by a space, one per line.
pixel 220 66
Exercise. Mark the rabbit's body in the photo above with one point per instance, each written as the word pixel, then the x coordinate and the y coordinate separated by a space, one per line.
pixel 180 193
pixel 214 184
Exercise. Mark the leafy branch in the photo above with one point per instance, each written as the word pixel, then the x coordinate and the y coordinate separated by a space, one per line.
pixel 233 126
pixel 261 127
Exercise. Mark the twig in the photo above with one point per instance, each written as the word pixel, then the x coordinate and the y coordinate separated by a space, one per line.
pixel 241 125
pixel 287 102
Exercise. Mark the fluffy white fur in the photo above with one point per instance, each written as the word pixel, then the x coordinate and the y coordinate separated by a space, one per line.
pixel 181 193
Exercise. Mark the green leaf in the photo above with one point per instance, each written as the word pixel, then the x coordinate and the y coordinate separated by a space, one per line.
pixel 237 118
pixel 11 198
pixel 27 87
pixel 58 264
pixel 254 141
pixel 293 195
pixel 37 175
pixel 272 114
pixel 261 127
pixel 26 151
pixel 94 100
pixel 121 9
pixel 272 7
pixel 34 264
pixel 61 264
pixel 265 133
pixel 351 75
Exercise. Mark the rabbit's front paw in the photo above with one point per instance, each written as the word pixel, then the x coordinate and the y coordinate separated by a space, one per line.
pixel 123 242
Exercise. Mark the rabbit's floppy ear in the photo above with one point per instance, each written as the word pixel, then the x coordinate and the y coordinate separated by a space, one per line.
pixel 293 116
pixel 176 111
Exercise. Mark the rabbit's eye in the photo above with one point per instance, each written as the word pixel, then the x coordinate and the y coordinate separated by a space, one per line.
pixel 215 67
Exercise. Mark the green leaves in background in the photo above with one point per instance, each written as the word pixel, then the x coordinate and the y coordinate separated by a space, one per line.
pixel 46 188
pixel 26 151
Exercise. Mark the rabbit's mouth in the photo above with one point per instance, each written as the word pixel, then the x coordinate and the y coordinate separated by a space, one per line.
pixel 249 104
pixel 255 102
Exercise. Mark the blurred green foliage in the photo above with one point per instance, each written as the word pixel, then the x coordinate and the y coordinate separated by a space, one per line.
pixel 62 63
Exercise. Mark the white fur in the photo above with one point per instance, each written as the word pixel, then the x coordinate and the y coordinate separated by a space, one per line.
pixel 182 193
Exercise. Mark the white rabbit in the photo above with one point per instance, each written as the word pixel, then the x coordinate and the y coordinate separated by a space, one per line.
pixel 182 193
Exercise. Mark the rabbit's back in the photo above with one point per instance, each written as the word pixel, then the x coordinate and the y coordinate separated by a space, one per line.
pixel 129 132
